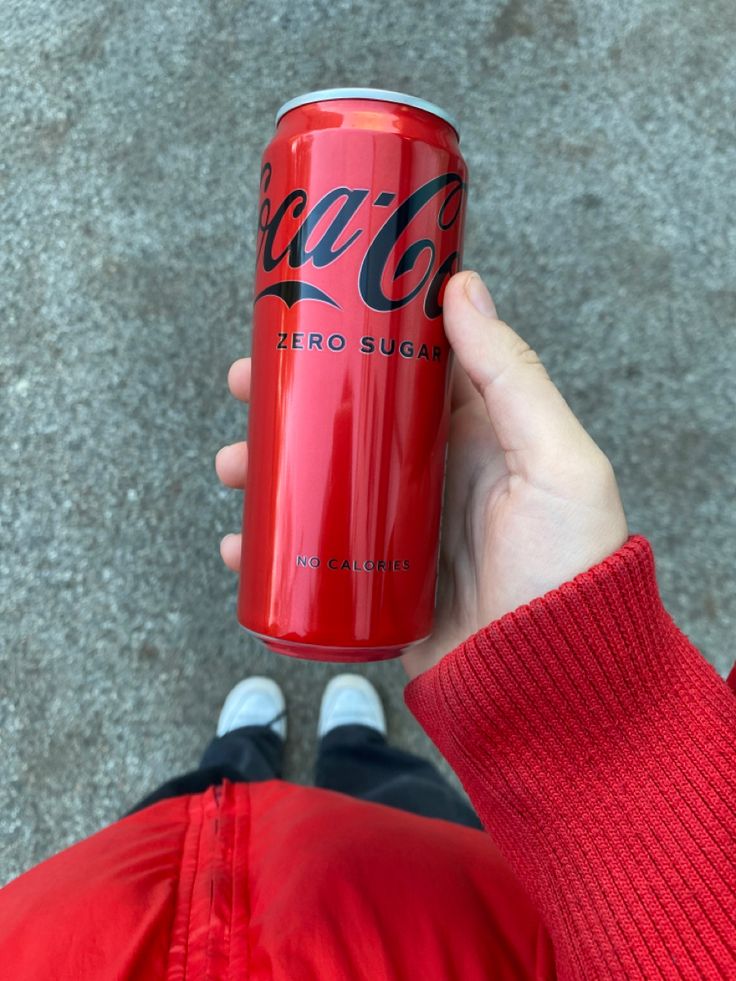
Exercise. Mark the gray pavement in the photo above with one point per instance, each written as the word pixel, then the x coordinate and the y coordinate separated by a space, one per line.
pixel 601 144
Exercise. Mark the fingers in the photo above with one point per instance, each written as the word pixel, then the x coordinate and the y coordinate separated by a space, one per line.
pixel 463 389
pixel 230 551
pixel 231 464
pixel 533 423
pixel 238 379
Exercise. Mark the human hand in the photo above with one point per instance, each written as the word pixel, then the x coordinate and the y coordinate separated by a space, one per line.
pixel 530 500
pixel 231 462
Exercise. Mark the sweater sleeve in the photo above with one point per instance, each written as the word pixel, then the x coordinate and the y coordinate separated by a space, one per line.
pixel 596 744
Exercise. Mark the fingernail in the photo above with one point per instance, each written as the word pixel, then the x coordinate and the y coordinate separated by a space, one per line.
pixel 479 295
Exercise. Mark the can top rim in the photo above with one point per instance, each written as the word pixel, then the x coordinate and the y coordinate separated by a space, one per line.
pixel 380 95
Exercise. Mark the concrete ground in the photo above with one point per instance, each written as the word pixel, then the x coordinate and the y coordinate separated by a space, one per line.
pixel 600 141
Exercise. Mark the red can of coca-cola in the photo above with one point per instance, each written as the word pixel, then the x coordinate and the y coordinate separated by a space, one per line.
pixel 360 225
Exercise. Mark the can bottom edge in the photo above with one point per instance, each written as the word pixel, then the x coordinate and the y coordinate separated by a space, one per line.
pixel 320 652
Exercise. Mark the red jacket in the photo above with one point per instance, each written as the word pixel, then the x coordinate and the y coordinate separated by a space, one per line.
pixel 597 746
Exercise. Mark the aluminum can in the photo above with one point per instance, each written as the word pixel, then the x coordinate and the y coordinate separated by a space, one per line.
pixel 360 222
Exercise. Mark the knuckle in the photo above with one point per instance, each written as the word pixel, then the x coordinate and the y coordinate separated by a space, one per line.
pixel 588 469
pixel 605 466
pixel 525 354
pixel 602 474
pixel 520 356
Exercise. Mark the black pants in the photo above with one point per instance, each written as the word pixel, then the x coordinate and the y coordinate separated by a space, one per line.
pixel 352 759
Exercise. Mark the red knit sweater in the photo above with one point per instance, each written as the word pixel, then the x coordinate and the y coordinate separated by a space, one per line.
pixel 597 746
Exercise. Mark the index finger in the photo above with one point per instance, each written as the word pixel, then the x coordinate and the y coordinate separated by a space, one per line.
pixel 238 378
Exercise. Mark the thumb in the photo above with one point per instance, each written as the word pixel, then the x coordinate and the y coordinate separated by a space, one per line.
pixel 534 425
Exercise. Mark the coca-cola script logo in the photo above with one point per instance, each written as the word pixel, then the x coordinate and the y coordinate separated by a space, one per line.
pixel 389 256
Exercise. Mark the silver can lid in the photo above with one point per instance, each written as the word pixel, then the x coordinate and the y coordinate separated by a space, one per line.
pixel 381 95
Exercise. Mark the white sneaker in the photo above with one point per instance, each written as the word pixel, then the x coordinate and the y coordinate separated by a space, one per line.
pixel 350 699
pixel 255 701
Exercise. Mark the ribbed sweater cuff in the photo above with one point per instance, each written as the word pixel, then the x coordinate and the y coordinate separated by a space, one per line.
pixel 595 743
